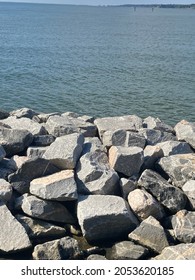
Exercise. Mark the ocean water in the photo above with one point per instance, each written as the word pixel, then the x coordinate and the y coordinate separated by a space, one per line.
pixel 100 61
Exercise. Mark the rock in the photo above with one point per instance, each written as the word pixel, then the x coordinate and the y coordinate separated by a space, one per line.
pixel 44 210
pixel 2 153
pixel 13 236
pixel 65 151
pixel 29 170
pixel 185 131
pixel 129 123
pixel 70 115
pixel 17 161
pixel 4 171
pixel 86 118
pixel 174 147
pixel 150 234
pixel 163 191
pixel 156 123
pixel 3 114
pixel 126 250
pixel 92 144
pixel 63 125
pixel 189 190
pixel 184 226
pixel 34 152
pixel 178 252
pixel 123 138
pixel 60 186
pixel 59 249
pixel 127 161
pixel 39 229
pixel 43 140
pixel 154 137
pixel 96 257
pixel 25 124
pixel 144 205
pixel 106 217
pixel 44 117
pixel 127 186
pixel 14 141
pixel 180 168
pixel 151 155
pixel 23 113
pixel 5 191
pixel 94 175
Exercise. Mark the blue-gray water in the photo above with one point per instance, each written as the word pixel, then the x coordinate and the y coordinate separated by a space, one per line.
pixel 98 61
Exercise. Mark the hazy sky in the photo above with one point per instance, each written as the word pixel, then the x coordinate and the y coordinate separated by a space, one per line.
pixel 106 2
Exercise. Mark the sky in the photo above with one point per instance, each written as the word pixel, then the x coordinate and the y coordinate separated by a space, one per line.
pixel 105 2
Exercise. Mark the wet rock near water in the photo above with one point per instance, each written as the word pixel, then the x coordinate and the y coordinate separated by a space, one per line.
pixel 79 187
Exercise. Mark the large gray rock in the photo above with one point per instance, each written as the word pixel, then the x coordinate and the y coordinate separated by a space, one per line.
pixel 43 117
pixel 65 151
pixel 39 229
pixel 44 210
pixel 29 170
pixel 63 125
pixel 178 252
pixel 154 136
pixel 107 217
pixel 163 191
pixel 43 140
pixel 156 123
pixel 150 234
pixel 92 144
pixel 180 168
pixel 126 250
pixel 184 226
pixel 5 191
pixel 175 147
pixel 127 186
pixel 186 131
pixel 189 190
pixel 129 123
pixel 127 161
pixel 13 236
pixel 23 112
pixel 25 124
pixel 94 175
pixel 2 153
pixel 123 138
pixel 14 141
pixel 59 249
pixel 34 152
pixel 151 155
pixel 144 205
pixel 60 186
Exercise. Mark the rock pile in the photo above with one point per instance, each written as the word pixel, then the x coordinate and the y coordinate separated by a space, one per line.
pixel 76 187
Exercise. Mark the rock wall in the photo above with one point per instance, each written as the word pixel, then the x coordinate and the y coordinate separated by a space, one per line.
pixel 76 187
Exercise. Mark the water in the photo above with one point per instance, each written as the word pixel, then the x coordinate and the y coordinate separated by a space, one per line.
pixel 98 61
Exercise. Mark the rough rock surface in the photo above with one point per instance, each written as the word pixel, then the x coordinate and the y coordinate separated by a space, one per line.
pixel 65 151
pixel 23 113
pixel 174 147
pixel 184 226
pixel 2 153
pixel 43 140
pixel 13 236
pixel 178 252
pixel 45 210
pixel 163 191
pixel 127 186
pixel 144 205
pixel 59 249
pixel 60 186
pixel 129 123
pixel 180 168
pixel 96 257
pixel 156 241
pixel 156 123
pixel 34 152
pixel 107 217
pixel 189 190
pixel 186 131
pixel 154 137
pixel 39 229
pixel 126 250
pixel 151 155
pixel 127 161
pixel 14 141
pixel 5 191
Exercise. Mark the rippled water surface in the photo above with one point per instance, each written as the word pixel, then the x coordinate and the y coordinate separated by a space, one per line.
pixel 98 61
